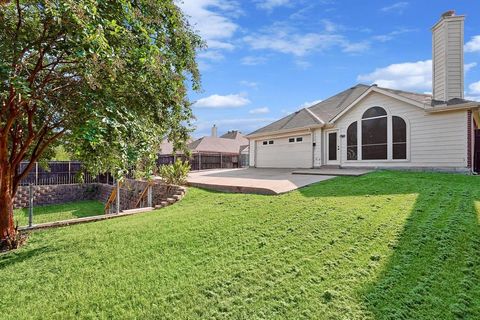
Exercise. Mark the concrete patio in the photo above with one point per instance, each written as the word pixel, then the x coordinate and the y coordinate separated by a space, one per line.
pixel 263 181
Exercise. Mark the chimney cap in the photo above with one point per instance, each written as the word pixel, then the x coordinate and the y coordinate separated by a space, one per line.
pixel 449 13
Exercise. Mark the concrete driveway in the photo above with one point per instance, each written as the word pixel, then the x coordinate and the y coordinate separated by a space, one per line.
pixel 253 180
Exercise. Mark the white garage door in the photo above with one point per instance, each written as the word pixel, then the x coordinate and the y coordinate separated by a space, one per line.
pixel 290 152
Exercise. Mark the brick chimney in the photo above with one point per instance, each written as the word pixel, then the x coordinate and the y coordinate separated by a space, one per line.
pixel 447 59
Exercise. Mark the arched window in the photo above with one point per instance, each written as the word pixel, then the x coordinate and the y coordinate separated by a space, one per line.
pixel 374 134
pixel 399 137
pixel 352 141
pixel 374 112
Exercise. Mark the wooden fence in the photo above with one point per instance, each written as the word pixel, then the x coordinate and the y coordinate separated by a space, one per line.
pixel 61 172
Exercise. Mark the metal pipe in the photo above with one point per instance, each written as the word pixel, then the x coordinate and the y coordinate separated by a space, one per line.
pixel 30 205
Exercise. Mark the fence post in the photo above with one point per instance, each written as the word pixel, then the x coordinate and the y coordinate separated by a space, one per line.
pixel 118 197
pixel 30 205
pixel 221 160
pixel 36 173
pixel 69 172
pixel 149 196
pixel 199 161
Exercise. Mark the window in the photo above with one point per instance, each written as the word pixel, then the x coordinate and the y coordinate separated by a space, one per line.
pixel 399 130
pixel 299 139
pixel 374 134
pixel 352 141
pixel 291 140
pixel 374 112
pixel 265 143
pixel 270 142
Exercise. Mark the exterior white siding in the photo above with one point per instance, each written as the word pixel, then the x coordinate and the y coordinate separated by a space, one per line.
pixel 317 149
pixel 448 69
pixel 437 140
pixel 252 150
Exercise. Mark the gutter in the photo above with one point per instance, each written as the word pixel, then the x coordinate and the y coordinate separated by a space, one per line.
pixel 284 131
pixel 445 107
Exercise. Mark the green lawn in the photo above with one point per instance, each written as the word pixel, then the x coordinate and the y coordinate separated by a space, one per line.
pixel 383 246
pixel 59 212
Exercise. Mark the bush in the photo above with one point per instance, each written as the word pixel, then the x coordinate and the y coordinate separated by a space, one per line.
pixel 175 173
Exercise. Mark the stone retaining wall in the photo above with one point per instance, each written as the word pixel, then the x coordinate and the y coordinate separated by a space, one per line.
pixel 56 194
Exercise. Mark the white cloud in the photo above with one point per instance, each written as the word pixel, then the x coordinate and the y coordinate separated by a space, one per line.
pixel 470 66
pixel 259 110
pixel 272 4
pixel 397 7
pixel 475 88
pixel 249 84
pixel 356 47
pixel 413 76
pixel 473 45
pixel 309 104
pixel 211 55
pixel 219 101
pixel 253 60
pixel 213 20
pixel 392 35
pixel 287 41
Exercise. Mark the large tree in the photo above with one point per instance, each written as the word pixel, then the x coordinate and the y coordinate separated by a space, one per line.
pixel 107 79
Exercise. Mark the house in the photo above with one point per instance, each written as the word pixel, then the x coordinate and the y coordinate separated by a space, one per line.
pixel 232 142
pixel 371 126
pixel 230 150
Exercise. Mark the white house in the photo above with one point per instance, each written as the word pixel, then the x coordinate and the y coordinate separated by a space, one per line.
pixel 370 126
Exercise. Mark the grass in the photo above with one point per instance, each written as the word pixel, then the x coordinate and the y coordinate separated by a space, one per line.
pixel 56 212
pixel 388 245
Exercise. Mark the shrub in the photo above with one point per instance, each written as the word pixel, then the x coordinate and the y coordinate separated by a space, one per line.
pixel 175 173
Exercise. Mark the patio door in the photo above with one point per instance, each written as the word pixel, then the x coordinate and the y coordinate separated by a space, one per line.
pixel 333 148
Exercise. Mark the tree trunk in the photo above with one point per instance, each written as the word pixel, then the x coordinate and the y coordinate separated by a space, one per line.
pixel 7 226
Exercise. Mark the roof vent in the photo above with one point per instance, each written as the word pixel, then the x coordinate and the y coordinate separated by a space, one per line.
pixel 449 13
pixel 374 85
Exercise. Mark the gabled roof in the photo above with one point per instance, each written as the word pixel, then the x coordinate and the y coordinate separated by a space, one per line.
pixel 300 119
pixel 327 111
pixel 231 142
pixel 232 135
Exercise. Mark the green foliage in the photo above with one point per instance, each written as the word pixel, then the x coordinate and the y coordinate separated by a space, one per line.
pixel 234 256
pixel 61 154
pixel 175 173
pixel 107 79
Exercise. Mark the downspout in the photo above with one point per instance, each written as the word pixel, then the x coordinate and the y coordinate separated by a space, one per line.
pixel 312 139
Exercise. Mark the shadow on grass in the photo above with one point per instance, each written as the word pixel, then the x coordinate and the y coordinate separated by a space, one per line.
pixel 433 271
pixel 19 256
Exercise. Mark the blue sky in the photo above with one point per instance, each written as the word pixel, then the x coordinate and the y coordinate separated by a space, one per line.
pixel 268 58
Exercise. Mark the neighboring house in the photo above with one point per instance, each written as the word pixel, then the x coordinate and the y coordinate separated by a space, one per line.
pixel 227 151
pixel 229 143
pixel 370 126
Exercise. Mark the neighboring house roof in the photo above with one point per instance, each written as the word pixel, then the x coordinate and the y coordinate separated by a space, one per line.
pixel 166 147
pixel 332 108
pixel 231 142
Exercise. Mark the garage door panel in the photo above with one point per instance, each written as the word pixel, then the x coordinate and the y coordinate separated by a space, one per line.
pixel 283 154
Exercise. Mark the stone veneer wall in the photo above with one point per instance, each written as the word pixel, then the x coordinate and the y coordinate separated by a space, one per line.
pixel 56 194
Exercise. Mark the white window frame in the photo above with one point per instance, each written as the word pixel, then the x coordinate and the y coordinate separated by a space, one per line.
pixel 389 137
